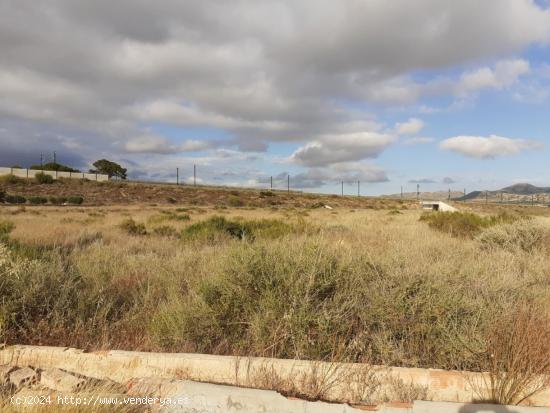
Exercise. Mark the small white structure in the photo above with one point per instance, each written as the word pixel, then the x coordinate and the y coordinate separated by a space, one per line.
pixel 437 206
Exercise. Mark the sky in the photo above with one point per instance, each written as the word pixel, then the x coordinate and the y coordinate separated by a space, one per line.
pixel 437 93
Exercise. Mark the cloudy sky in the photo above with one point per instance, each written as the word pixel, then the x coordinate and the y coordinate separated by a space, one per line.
pixel 444 93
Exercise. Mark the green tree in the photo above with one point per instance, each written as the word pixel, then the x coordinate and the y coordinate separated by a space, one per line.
pixel 113 169
pixel 54 166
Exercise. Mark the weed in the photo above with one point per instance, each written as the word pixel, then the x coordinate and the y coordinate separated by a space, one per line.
pixel 516 355
pixel 43 178
pixel 5 228
pixel 75 199
pixel 37 200
pixel 11 179
pixel 219 227
pixel 264 194
pixel 523 235
pixel 58 200
pixel 165 231
pixel 235 201
pixel 463 224
pixel 131 227
pixel 15 199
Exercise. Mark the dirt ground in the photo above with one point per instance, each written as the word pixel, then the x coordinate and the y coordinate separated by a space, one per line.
pixel 124 193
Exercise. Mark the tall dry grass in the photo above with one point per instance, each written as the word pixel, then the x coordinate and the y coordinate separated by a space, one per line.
pixel 381 288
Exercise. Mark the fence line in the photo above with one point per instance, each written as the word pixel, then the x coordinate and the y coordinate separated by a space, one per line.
pixel 31 173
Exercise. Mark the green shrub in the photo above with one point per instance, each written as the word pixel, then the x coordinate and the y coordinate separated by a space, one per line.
pixel 132 227
pixel 11 179
pixel 464 224
pixel 218 227
pixel 305 299
pixel 75 199
pixel 2 196
pixel 43 178
pixel 37 200
pixel 57 200
pixel 15 199
pixel 165 231
pixel 235 201
pixel 266 194
pixel 5 228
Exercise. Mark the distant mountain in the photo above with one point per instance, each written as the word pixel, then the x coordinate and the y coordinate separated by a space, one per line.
pixel 514 193
pixel 525 189
pixel 469 196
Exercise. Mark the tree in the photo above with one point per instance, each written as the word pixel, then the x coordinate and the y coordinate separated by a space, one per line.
pixel 106 167
pixel 54 166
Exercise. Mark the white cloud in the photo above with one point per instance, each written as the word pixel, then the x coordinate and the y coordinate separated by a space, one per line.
pixel 160 145
pixel 504 74
pixel 410 127
pixel 418 140
pixel 488 147
pixel 342 148
pixel 260 70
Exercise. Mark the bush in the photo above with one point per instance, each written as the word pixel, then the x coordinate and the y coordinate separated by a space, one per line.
pixel 524 235
pixel 15 199
pixel 5 228
pixel 165 231
pixel 463 224
pixel 305 299
pixel 218 227
pixel 235 201
pixel 11 179
pixel 132 227
pixel 2 196
pixel 76 200
pixel 516 355
pixel 266 194
pixel 57 200
pixel 37 200
pixel 43 178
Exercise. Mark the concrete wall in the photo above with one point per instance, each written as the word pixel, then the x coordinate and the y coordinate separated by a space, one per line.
pixel 346 379
pixel 30 173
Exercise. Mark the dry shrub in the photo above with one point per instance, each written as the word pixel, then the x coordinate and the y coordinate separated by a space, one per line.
pixel 517 356
pixel 131 227
pixel 463 224
pixel 524 235
pixel 319 381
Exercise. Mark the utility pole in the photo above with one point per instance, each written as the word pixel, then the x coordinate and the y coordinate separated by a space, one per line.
pixel 486 196
pixel 449 197
pixel 417 192
pixel 342 188
pixel 271 179
pixel 358 188
pixel 177 176
pixel 41 161
pixel 288 183
pixel 401 191
pixel 194 175
pixel 54 157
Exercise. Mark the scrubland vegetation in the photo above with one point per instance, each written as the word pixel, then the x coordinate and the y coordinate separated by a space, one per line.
pixel 398 288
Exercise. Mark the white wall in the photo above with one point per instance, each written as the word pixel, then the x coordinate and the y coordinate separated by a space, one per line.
pixel 30 173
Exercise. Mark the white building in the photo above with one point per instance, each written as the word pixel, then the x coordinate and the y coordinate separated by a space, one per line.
pixel 437 206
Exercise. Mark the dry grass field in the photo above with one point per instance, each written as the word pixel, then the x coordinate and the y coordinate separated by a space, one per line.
pixel 386 285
